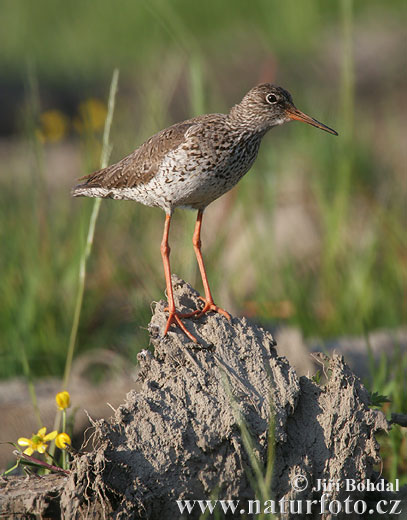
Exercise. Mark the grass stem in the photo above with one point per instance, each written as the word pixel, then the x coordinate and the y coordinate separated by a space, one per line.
pixel 106 149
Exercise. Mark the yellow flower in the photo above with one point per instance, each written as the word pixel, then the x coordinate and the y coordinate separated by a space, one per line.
pixel 37 441
pixel 63 400
pixel 92 115
pixel 62 440
pixel 53 126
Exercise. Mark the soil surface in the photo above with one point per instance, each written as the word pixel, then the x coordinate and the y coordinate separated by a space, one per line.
pixel 198 427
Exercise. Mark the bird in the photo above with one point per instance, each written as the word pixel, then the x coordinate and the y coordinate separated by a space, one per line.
pixel 189 165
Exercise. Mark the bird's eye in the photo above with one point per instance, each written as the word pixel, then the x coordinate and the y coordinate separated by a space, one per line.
pixel 271 98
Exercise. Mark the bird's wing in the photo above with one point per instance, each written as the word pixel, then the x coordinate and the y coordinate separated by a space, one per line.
pixel 141 165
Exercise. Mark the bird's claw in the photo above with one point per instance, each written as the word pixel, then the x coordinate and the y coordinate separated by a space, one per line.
pixel 210 306
pixel 175 317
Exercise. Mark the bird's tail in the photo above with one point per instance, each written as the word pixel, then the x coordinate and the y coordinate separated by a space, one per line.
pixel 87 188
pixel 84 190
pixel 79 190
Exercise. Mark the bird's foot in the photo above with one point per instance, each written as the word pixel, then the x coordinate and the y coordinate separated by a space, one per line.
pixel 175 317
pixel 210 306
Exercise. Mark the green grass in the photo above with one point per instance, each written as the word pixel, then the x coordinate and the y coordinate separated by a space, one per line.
pixel 388 377
pixel 87 249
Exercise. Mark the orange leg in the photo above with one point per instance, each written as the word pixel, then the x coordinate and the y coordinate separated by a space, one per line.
pixel 173 317
pixel 196 240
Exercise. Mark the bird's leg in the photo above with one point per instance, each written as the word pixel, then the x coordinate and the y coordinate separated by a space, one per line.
pixel 208 300
pixel 173 317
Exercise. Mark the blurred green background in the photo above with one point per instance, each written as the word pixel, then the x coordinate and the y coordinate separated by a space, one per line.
pixel 313 236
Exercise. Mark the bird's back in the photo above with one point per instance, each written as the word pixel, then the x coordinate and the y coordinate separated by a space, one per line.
pixel 188 164
pixel 139 166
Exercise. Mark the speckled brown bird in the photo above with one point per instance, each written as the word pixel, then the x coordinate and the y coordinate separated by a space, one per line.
pixel 192 163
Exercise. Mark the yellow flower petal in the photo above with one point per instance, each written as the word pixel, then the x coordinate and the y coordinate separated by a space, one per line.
pixel 63 400
pixel 28 451
pixel 37 441
pixel 62 440
pixel 92 115
pixel 22 441
pixel 42 431
pixel 54 125
pixel 50 436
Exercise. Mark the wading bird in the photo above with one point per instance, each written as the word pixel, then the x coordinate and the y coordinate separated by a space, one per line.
pixel 191 164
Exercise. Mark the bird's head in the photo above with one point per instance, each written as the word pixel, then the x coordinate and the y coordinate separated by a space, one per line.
pixel 267 105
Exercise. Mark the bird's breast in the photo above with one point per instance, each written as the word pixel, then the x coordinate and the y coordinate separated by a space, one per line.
pixel 201 170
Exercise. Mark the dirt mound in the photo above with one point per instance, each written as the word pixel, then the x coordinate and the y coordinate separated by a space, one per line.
pixel 185 433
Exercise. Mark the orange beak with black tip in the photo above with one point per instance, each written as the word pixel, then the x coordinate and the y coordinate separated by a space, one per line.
pixel 293 113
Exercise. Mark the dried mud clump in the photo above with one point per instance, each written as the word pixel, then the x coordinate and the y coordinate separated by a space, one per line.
pixel 179 436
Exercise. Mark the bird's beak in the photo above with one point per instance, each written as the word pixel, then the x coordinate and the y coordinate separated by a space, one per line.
pixel 293 113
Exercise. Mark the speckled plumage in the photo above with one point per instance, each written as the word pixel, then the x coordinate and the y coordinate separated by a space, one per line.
pixel 192 163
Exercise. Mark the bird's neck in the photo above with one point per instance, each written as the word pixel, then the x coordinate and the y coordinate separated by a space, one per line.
pixel 239 121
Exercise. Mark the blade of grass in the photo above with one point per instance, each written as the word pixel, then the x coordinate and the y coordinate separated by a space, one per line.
pixel 106 149
pixel 260 480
